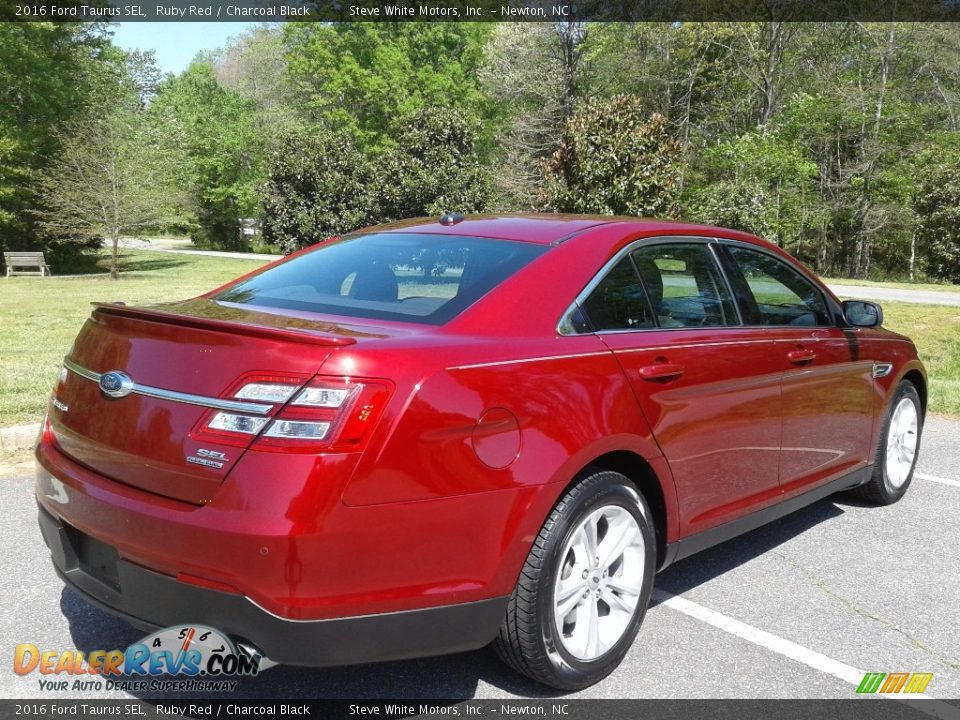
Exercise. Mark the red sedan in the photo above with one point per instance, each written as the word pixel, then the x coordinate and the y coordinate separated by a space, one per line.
pixel 429 436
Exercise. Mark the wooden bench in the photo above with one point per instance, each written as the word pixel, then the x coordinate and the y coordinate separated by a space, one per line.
pixel 16 260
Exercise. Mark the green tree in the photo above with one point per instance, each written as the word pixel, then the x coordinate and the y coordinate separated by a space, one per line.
pixel 614 159
pixel 217 131
pixel 759 183
pixel 11 176
pixel 435 167
pixel 362 78
pixel 254 65
pixel 48 73
pixel 112 177
pixel 534 72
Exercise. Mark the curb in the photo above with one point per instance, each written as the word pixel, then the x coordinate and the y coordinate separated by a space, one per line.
pixel 19 437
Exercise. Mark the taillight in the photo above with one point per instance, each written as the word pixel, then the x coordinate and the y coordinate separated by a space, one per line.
pixel 234 423
pixel 238 428
pixel 272 392
pixel 324 414
pixel 328 414
pixel 46 431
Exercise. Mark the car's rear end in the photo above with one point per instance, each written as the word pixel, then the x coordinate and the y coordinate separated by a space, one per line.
pixel 195 455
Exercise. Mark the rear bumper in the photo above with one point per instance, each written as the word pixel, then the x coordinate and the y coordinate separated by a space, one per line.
pixel 278 534
pixel 151 600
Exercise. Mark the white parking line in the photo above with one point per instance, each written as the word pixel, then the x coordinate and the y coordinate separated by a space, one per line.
pixel 934 478
pixel 799 653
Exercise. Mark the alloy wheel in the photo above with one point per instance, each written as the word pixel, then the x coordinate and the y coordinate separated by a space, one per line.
pixel 902 442
pixel 599 582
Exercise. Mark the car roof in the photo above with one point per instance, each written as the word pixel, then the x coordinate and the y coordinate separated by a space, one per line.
pixel 547 229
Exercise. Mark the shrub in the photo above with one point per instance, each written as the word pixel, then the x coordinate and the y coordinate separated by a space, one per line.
pixel 318 184
pixel 614 160
pixel 434 166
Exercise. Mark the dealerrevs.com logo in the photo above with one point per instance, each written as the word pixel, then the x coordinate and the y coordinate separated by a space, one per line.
pixel 189 658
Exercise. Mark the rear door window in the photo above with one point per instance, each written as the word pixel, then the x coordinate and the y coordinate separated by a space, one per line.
pixel 391 276
pixel 685 286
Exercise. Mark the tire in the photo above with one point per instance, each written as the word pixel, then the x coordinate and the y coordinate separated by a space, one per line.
pixel 585 647
pixel 894 463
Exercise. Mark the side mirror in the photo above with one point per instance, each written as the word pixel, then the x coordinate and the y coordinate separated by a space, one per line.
pixel 861 313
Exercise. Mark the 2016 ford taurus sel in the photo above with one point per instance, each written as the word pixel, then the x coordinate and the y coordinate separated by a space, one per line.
pixel 427 437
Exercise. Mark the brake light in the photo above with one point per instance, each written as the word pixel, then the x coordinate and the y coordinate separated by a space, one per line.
pixel 238 428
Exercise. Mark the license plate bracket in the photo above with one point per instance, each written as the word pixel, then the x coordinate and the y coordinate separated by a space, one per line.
pixel 95 558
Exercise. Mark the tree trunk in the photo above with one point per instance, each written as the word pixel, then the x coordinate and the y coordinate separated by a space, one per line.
pixel 771 69
pixel 913 253
pixel 871 152
pixel 115 255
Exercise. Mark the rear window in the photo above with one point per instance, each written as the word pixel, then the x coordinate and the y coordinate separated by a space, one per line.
pixel 389 276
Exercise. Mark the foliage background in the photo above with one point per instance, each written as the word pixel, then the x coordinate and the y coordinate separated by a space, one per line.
pixel 838 141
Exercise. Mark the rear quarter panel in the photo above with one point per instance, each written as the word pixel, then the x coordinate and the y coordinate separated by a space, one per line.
pixel 570 400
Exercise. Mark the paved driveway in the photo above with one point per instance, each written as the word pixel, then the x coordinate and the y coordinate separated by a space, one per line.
pixel 883 294
pixel 798 609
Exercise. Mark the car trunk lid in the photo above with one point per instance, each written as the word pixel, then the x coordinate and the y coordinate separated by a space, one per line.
pixel 182 358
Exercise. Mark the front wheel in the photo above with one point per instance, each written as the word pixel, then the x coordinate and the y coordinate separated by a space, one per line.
pixel 898 450
pixel 585 586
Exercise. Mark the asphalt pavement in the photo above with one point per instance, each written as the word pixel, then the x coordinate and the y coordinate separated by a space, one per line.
pixel 798 609
pixel 892 294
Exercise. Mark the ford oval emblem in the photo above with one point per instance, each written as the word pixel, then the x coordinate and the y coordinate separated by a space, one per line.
pixel 116 384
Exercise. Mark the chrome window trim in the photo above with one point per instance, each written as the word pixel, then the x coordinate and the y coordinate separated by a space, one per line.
pixel 174 396
pixel 711 242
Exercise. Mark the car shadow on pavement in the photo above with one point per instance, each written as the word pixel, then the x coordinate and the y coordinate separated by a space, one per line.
pixel 452 677
pixel 704 566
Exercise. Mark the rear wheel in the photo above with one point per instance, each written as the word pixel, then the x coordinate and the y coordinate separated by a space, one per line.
pixel 585 586
pixel 898 449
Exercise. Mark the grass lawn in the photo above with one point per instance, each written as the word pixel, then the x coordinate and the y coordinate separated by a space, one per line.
pixel 39 318
pixel 936 331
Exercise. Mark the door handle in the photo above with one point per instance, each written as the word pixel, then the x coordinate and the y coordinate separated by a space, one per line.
pixel 661 371
pixel 798 357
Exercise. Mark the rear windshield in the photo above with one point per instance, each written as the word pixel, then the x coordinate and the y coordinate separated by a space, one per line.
pixel 390 276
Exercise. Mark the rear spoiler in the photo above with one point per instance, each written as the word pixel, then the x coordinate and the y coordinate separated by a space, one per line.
pixel 302 334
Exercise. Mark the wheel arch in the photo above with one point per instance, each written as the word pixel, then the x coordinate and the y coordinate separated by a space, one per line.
pixel 645 479
pixel 916 377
